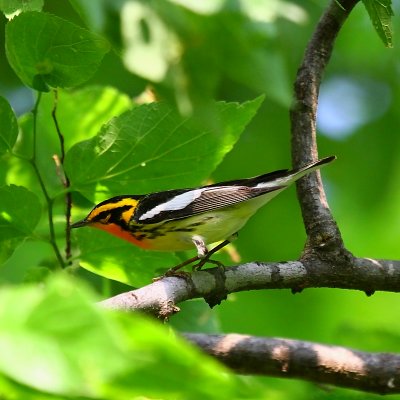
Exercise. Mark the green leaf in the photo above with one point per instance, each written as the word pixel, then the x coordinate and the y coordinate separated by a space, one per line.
pixel 149 148
pixel 20 212
pixel 47 51
pixel 9 126
pixel 381 13
pixel 152 148
pixel 80 115
pixel 52 354
pixel 119 260
pixel 55 339
pixel 10 8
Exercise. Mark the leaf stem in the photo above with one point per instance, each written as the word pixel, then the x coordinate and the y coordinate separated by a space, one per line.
pixel 64 179
pixel 48 199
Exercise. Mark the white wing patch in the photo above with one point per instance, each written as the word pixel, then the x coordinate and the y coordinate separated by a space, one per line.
pixel 275 183
pixel 176 203
pixel 292 177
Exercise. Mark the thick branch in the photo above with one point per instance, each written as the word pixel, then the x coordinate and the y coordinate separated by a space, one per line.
pixel 214 284
pixel 317 217
pixel 340 366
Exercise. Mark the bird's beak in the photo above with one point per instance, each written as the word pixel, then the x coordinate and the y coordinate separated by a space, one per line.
pixel 79 224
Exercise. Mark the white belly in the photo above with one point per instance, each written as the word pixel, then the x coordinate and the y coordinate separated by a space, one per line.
pixel 213 226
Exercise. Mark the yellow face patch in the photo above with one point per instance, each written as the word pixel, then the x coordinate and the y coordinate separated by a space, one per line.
pixel 126 215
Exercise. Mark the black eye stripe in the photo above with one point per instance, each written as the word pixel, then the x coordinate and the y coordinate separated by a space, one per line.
pixel 101 216
pixel 115 214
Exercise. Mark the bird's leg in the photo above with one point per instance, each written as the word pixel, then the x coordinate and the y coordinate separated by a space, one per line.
pixel 203 254
pixel 201 247
pixel 173 270
pixel 206 258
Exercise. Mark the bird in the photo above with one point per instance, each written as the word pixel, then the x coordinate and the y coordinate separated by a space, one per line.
pixel 184 219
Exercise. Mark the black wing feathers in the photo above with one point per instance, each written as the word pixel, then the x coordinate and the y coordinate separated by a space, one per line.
pixel 212 197
pixel 270 176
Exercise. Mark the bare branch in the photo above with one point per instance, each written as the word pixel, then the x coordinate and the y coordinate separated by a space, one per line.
pixel 323 364
pixel 214 284
pixel 317 217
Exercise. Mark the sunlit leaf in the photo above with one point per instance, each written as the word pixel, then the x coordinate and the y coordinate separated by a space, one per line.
pixel 48 51
pixel 153 148
pixel 80 115
pixel 13 7
pixel 55 339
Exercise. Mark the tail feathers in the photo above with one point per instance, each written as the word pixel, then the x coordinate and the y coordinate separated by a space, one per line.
pixel 285 178
pixel 298 173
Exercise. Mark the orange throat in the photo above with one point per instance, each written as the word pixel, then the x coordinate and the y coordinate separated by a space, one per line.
pixel 116 230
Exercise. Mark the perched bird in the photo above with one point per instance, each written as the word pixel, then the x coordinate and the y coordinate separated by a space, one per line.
pixel 181 219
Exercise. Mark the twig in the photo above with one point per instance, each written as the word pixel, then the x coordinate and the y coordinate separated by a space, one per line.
pixel 48 199
pixel 64 179
pixel 317 217
pixel 320 363
pixel 214 284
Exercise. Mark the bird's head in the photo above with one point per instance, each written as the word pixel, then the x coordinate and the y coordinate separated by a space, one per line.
pixel 115 211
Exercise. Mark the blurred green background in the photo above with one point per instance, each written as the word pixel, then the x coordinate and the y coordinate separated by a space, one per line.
pixel 242 53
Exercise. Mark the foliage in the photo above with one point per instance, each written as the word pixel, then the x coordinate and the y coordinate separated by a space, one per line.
pixel 96 354
pixel 55 343
pixel 381 14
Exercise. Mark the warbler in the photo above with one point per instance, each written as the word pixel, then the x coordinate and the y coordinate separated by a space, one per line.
pixel 182 219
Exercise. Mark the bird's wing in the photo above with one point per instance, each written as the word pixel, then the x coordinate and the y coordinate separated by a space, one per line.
pixel 178 204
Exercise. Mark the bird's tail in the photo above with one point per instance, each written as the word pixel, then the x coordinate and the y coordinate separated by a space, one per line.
pixel 298 173
pixel 284 178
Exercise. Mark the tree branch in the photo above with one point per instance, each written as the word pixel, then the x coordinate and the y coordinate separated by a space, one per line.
pixel 317 217
pixel 323 364
pixel 214 284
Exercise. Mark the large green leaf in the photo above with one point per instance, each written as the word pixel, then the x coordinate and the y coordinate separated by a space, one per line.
pixel 9 126
pixel 119 260
pixel 152 148
pixel 381 13
pixel 45 50
pixel 20 212
pixel 55 339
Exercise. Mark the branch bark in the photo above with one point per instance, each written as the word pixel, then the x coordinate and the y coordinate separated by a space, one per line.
pixel 214 284
pixel 323 364
pixel 318 220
